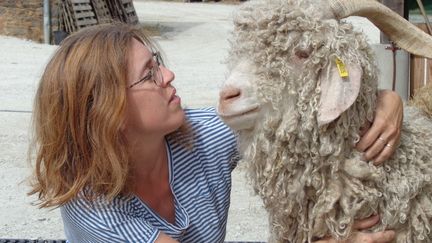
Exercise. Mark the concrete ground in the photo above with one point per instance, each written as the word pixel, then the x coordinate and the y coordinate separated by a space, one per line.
pixel 194 39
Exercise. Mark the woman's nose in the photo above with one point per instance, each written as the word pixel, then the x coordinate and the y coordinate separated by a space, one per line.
pixel 167 75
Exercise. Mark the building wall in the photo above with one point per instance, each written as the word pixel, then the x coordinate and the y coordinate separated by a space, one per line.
pixel 22 18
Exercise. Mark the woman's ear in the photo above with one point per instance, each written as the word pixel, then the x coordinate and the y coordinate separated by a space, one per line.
pixel 340 86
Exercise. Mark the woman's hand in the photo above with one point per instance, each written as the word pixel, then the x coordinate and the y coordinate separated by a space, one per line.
pixel 360 237
pixel 380 140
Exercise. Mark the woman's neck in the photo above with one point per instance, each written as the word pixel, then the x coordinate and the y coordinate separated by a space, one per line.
pixel 148 158
pixel 150 178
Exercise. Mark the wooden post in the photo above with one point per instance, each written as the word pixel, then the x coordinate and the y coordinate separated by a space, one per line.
pixel 399 7
pixel 421 69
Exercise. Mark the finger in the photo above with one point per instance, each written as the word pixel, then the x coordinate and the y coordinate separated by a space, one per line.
pixel 382 237
pixel 364 128
pixel 366 223
pixel 386 152
pixel 370 136
pixel 389 137
pixel 375 149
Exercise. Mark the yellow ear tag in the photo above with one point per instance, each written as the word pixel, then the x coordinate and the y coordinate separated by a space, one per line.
pixel 343 72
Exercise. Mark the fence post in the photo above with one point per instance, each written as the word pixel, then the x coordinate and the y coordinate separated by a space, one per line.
pixel 46 22
pixel 400 7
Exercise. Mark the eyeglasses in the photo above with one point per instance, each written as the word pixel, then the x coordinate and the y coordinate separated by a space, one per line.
pixel 155 73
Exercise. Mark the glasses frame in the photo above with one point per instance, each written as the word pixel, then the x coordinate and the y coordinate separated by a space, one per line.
pixel 155 73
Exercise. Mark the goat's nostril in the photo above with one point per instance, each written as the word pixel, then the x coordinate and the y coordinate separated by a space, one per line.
pixel 230 94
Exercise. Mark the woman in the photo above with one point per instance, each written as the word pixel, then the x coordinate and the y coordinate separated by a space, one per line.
pixel 125 163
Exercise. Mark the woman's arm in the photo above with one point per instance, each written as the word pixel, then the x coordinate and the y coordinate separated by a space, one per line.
pixel 381 138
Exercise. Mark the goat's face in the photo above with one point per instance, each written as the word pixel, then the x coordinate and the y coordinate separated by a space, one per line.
pixel 239 106
pixel 290 61
pixel 250 93
pixel 294 36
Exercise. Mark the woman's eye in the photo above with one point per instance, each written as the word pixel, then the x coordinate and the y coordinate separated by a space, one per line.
pixel 147 76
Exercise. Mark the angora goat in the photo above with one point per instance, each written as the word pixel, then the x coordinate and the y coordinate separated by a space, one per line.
pixel 301 84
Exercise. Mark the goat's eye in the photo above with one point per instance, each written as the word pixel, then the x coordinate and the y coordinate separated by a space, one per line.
pixel 301 54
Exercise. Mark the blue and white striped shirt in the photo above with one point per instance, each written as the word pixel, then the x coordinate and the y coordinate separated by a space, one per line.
pixel 200 180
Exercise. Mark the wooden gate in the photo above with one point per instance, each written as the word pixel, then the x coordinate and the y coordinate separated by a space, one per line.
pixel 102 11
pixel 123 10
pixel 72 15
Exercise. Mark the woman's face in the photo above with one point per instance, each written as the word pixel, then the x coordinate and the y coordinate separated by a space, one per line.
pixel 152 109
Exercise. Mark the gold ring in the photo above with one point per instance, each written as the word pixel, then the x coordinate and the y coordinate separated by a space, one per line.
pixel 389 145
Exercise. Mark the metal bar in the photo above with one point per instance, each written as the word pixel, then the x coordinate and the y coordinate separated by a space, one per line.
pixel 46 21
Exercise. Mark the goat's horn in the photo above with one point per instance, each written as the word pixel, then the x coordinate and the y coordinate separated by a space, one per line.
pixel 399 30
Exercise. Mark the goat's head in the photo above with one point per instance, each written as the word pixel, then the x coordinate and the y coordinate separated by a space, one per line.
pixel 293 52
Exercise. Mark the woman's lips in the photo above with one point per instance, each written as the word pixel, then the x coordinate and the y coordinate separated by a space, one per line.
pixel 174 98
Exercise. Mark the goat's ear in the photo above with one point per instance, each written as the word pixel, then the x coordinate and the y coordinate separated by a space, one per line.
pixel 340 86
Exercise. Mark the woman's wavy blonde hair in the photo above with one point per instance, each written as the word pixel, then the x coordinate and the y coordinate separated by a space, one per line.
pixel 78 113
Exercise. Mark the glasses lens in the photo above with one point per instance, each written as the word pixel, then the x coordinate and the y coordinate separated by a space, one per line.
pixel 158 58
pixel 158 78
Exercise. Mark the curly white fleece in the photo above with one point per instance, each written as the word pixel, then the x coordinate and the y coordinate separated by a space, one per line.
pixel 312 181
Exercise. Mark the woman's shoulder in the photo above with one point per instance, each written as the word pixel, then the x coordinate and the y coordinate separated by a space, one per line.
pixel 103 219
pixel 206 121
pixel 95 205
